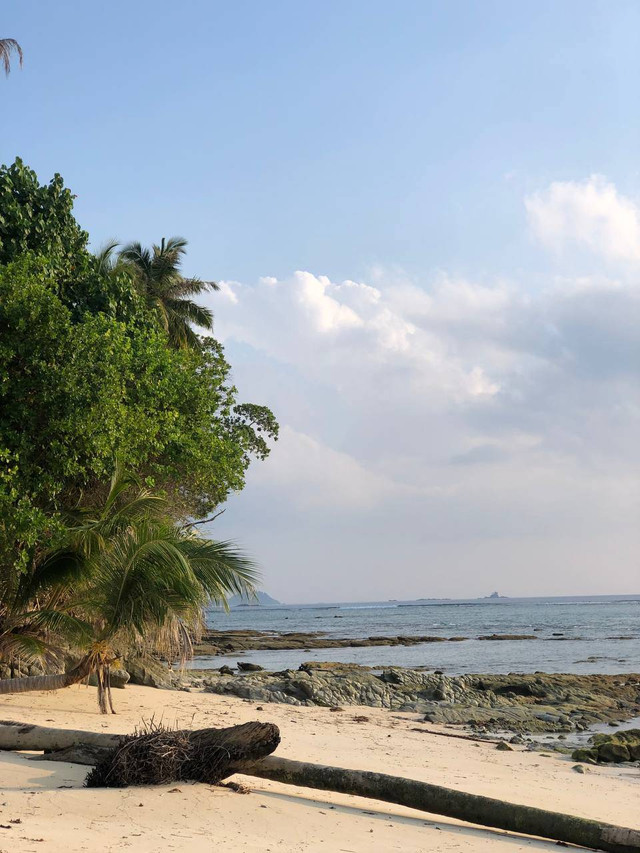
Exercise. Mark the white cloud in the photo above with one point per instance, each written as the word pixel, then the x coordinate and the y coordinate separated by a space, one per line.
pixel 342 333
pixel 590 214
pixel 452 418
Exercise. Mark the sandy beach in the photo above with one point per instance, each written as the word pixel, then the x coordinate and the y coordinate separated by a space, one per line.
pixel 43 805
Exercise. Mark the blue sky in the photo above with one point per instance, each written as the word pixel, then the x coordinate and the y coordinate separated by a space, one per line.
pixel 468 418
pixel 327 136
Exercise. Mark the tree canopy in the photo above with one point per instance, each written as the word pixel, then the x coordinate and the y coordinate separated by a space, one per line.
pixel 90 378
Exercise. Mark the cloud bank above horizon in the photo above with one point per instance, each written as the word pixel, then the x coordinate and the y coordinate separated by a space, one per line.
pixel 450 436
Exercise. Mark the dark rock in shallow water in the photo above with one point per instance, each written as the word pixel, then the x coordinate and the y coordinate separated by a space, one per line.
pixel 509 637
pixel 243 666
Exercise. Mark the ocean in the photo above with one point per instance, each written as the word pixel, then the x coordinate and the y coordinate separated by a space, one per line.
pixel 579 634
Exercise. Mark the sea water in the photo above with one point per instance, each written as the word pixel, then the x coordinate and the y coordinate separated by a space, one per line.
pixel 580 635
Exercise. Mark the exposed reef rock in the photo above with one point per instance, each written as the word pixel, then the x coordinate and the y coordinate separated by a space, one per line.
pixel 536 702
pixel 228 642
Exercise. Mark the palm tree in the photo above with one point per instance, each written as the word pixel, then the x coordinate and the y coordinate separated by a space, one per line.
pixel 130 581
pixel 7 47
pixel 167 292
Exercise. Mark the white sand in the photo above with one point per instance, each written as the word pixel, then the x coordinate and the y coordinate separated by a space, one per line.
pixel 57 814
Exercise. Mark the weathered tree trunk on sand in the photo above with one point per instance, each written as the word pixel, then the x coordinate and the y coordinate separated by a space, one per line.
pixel 434 799
pixel 150 757
pixel 26 736
pixel 46 682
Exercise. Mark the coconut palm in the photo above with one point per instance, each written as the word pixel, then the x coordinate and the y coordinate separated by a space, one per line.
pixel 7 47
pixel 129 581
pixel 167 292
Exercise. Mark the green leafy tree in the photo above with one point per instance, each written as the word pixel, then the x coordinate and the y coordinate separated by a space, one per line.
pixel 99 363
pixel 77 394
pixel 124 579
pixel 167 292
pixel 37 221
pixel 7 48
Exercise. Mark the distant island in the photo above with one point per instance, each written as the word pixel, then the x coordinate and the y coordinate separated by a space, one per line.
pixel 496 595
pixel 262 599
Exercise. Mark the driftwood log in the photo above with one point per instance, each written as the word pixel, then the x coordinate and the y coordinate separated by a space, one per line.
pixel 151 757
pixel 434 799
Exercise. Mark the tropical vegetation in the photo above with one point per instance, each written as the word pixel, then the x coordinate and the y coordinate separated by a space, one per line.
pixel 167 292
pixel 102 370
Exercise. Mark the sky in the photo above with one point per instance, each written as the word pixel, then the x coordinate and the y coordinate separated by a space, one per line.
pixel 425 219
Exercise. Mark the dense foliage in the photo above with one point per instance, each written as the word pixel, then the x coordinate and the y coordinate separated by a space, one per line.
pixel 93 378
pixel 123 578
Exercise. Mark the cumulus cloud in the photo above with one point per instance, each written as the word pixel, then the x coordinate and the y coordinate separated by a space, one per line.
pixel 457 417
pixel 590 214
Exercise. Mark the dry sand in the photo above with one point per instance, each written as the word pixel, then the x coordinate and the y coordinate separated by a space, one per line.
pixel 43 806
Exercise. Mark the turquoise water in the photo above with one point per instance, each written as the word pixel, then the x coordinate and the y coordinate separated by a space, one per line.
pixel 581 635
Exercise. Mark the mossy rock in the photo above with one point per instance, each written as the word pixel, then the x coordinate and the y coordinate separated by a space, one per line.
pixel 613 753
pixel 619 746
pixel 587 756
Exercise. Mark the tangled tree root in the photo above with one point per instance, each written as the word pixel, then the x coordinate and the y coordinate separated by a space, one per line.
pixel 159 755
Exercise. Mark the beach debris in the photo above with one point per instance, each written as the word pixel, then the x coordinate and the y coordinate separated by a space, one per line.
pixel 236 787
pixel 158 755
pixel 433 799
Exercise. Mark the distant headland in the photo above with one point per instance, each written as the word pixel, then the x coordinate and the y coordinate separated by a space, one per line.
pixel 262 599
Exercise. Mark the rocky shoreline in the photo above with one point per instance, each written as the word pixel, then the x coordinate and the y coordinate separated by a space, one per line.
pixel 520 703
pixel 237 641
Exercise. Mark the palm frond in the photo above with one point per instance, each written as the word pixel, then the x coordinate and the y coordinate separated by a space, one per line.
pixel 60 568
pixel 58 622
pixel 145 579
pixel 187 311
pixel 191 287
pixel 24 647
pixel 221 567
pixel 174 245
pixel 166 290
pixel 7 48
pixel 106 256
pixel 181 335
pixel 139 257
